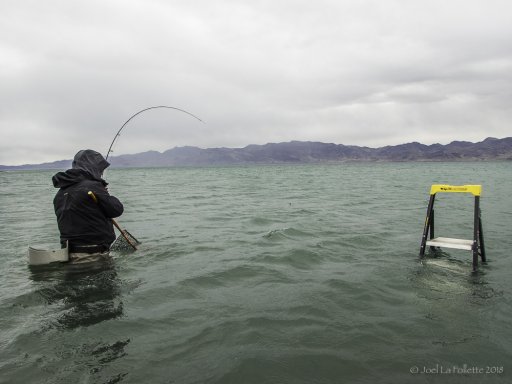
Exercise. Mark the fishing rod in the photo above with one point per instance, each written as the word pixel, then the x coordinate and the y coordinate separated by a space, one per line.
pixel 125 235
pixel 138 113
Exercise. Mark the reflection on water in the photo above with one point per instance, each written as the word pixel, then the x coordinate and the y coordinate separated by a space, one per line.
pixel 88 292
pixel 78 297
pixel 448 289
pixel 446 276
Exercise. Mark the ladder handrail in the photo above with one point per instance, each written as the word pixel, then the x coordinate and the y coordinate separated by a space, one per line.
pixel 476 190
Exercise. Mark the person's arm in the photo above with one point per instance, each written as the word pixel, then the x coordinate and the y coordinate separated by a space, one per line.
pixel 109 205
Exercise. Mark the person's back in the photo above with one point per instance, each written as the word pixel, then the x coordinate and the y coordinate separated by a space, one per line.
pixel 85 224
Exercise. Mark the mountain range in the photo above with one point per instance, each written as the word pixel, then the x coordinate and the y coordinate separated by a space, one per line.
pixel 303 152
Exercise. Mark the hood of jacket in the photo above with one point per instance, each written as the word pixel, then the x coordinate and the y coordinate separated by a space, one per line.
pixel 87 165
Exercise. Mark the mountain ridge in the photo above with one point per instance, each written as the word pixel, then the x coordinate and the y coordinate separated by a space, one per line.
pixel 302 152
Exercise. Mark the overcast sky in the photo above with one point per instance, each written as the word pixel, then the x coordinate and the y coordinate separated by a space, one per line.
pixel 354 72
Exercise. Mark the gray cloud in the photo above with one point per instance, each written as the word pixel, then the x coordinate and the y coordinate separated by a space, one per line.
pixel 361 72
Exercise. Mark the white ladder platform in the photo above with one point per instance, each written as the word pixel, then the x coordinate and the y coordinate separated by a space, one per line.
pixel 447 242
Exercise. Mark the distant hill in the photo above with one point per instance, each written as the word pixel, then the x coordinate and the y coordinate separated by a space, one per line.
pixel 303 152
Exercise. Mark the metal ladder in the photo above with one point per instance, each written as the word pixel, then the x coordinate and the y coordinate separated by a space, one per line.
pixel 476 245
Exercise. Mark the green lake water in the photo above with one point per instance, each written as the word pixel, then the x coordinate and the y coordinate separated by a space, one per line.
pixel 264 274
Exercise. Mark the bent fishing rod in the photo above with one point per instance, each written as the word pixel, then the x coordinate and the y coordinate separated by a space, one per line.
pixel 124 232
pixel 138 113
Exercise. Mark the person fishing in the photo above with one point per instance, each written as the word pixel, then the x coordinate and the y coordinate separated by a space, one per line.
pixel 85 219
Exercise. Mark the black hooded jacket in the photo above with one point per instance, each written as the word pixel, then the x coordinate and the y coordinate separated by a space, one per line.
pixel 81 220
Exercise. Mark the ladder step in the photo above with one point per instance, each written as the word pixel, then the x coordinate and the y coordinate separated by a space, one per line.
pixel 447 242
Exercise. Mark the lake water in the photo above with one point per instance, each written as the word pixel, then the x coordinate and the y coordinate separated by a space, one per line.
pixel 264 274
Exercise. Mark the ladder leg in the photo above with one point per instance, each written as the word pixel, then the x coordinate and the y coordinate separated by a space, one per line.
pixel 432 216
pixel 427 226
pixel 481 238
pixel 475 232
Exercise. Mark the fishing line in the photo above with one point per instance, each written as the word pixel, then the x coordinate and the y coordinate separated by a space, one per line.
pixel 138 113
